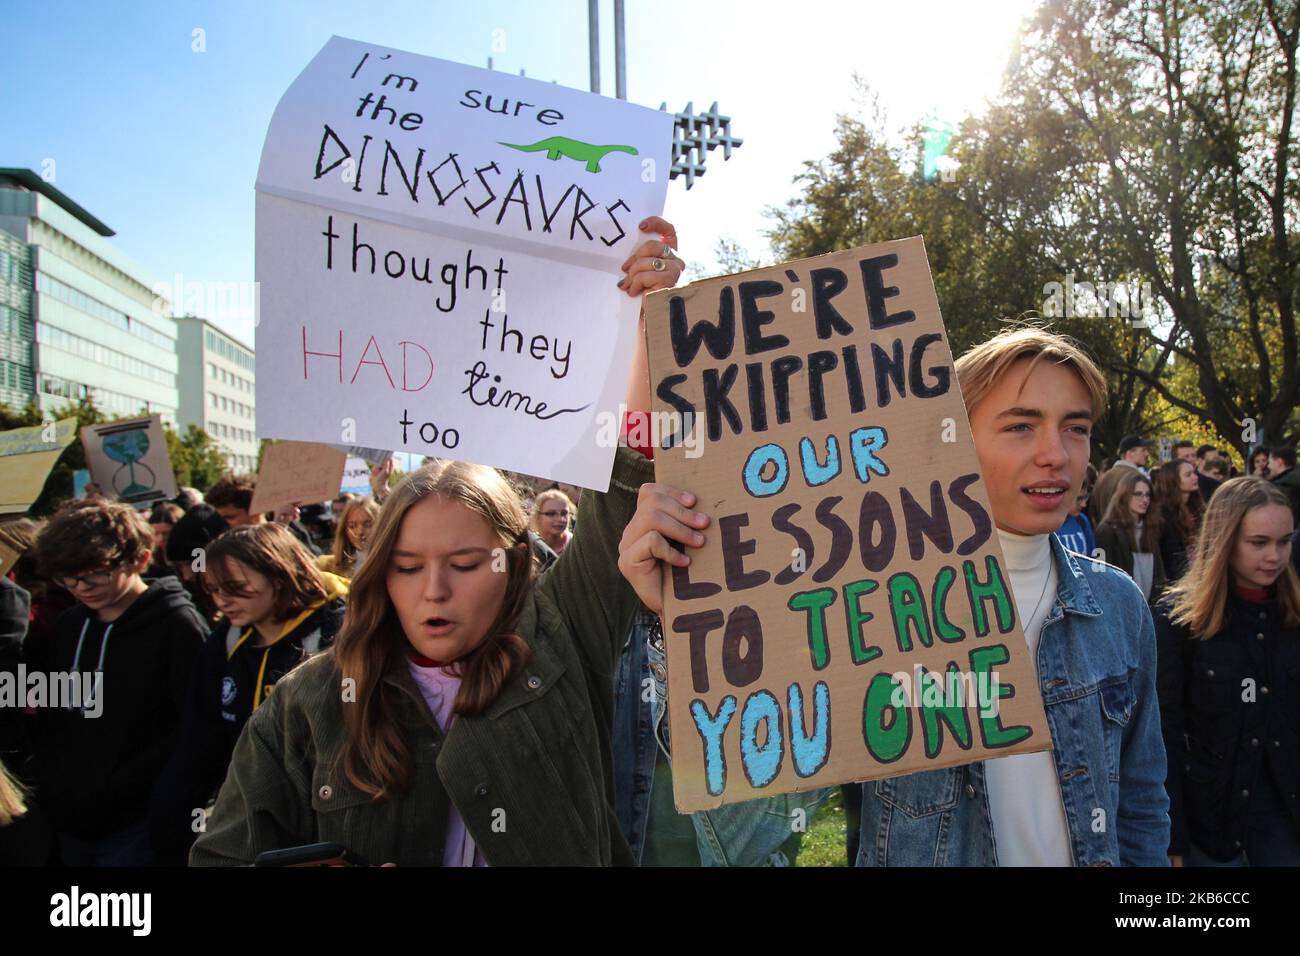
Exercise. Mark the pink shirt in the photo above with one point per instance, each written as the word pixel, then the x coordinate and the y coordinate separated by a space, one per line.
pixel 439 686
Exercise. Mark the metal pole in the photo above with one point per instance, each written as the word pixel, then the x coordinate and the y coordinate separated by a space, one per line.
pixel 620 53
pixel 593 42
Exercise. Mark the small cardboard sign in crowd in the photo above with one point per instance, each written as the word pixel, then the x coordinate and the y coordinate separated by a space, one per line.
pixel 128 460
pixel 295 472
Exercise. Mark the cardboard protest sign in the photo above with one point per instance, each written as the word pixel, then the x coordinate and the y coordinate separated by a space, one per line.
pixel 129 461
pixel 356 477
pixel 26 457
pixel 294 471
pixel 850 616
pixel 438 248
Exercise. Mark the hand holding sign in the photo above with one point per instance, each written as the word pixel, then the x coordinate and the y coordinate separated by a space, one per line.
pixel 379 476
pixel 654 264
pixel 663 515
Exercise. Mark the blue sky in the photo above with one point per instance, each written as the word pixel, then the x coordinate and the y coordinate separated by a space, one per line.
pixel 162 142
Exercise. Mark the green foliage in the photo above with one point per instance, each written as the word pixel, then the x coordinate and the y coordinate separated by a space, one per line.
pixel 196 457
pixel 1144 146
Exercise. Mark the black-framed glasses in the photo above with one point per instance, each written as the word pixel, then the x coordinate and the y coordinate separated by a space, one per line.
pixel 217 590
pixel 91 579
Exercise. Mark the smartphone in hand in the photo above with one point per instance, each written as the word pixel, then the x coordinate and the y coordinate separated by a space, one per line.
pixel 311 854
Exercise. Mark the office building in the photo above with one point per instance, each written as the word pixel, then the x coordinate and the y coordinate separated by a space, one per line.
pixel 216 389
pixel 79 317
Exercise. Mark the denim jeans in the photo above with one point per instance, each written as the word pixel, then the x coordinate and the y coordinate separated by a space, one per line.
pixel 737 834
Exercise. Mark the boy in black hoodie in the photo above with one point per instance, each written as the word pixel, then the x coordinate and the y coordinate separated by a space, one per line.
pixel 134 643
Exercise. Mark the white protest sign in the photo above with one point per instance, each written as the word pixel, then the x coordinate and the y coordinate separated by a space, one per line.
pixel 356 476
pixel 438 248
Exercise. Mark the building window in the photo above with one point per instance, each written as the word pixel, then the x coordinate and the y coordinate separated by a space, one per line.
pixel 56 337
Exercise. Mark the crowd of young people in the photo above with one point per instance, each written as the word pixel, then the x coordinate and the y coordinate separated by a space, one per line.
pixel 457 682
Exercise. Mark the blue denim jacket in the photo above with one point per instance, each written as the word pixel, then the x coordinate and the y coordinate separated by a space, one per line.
pixel 738 834
pixel 1096 671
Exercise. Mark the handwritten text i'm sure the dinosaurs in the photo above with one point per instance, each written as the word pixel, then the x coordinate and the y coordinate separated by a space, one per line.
pixel 481 188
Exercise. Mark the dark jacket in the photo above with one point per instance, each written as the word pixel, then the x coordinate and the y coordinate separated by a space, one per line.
pixel 531 776
pixel 235 676
pixel 15 607
pixel 1207 485
pixel 1230 712
pixel 96 774
pixel 1116 545
pixel 1173 552
pixel 299 531
pixel 1289 482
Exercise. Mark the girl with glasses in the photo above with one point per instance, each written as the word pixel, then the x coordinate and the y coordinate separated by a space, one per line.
pixel 1129 535
pixel 550 520
pixel 278 610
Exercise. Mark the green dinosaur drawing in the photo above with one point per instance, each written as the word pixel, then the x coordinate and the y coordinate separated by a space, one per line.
pixel 557 146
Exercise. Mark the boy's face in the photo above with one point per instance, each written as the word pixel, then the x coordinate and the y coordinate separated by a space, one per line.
pixel 102 587
pixel 1033 437
pixel 238 517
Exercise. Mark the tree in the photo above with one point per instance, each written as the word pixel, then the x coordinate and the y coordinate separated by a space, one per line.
pixel 196 458
pixel 1173 122
pixel 1140 156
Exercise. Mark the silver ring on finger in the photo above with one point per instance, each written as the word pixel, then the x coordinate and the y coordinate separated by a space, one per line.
pixel 658 265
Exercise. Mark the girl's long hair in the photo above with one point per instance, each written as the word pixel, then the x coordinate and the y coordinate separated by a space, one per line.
pixel 272 551
pixel 550 494
pixel 1199 599
pixel 345 556
pixel 375 757
pixel 12 798
pixel 1118 514
pixel 1167 497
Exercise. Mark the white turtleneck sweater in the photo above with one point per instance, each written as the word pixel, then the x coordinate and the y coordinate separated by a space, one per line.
pixel 1029 824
